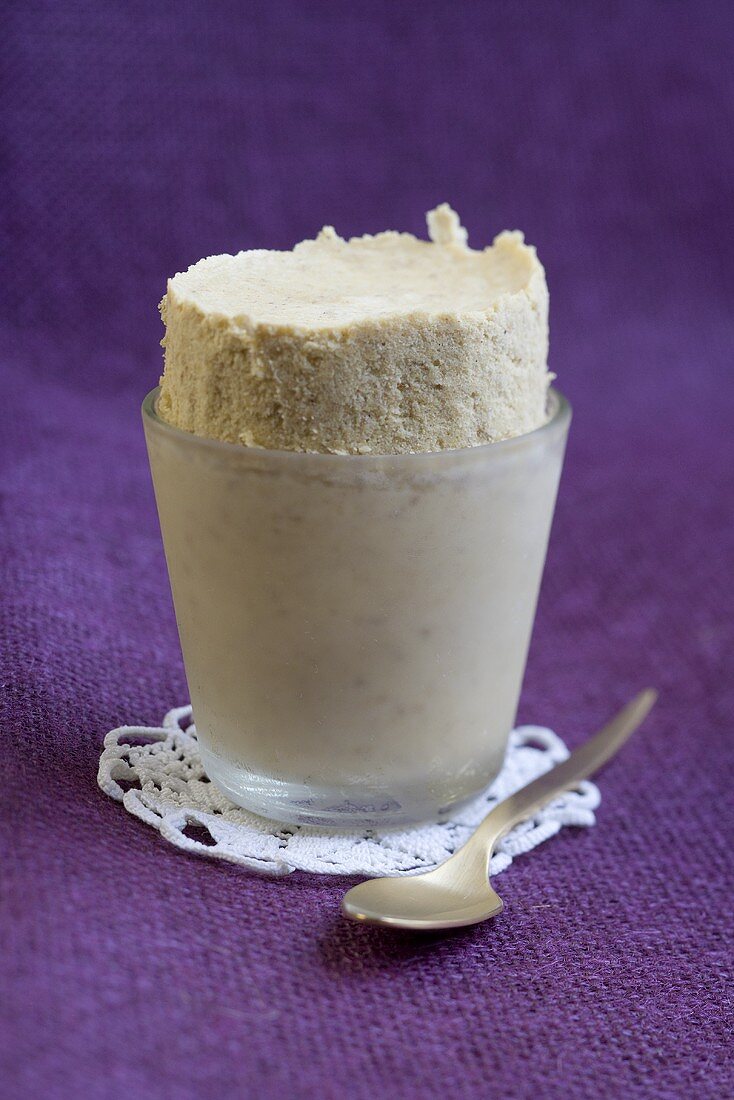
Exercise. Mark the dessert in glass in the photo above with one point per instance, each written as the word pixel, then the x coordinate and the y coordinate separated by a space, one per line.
pixel 355 454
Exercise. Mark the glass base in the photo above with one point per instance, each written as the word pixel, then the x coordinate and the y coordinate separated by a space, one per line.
pixel 353 807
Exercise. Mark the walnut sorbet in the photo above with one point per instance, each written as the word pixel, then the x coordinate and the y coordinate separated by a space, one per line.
pixel 355 462
pixel 378 345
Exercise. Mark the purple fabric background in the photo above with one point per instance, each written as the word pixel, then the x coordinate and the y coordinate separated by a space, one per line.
pixel 139 137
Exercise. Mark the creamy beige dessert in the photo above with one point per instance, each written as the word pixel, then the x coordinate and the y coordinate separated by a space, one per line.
pixel 355 624
pixel 382 345
pixel 354 629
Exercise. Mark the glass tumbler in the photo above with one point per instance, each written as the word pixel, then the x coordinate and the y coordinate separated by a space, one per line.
pixel 354 627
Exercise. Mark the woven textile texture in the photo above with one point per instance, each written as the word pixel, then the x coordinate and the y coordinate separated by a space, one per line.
pixel 139 137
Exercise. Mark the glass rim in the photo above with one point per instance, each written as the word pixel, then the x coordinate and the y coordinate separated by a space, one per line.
pixel 559 417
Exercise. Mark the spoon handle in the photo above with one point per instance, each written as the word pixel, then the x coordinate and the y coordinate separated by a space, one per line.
pixel 582 762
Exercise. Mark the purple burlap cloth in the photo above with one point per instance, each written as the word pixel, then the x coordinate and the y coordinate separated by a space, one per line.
pixel 138 138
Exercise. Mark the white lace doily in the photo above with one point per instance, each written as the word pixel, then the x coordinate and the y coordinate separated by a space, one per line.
pixel 157 774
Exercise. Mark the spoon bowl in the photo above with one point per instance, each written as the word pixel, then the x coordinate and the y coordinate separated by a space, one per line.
pixel 424 902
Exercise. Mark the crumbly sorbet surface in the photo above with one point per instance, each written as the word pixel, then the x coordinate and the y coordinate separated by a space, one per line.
pixel 380 344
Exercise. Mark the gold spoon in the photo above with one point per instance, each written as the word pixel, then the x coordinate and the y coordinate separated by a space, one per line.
pixel 458 892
